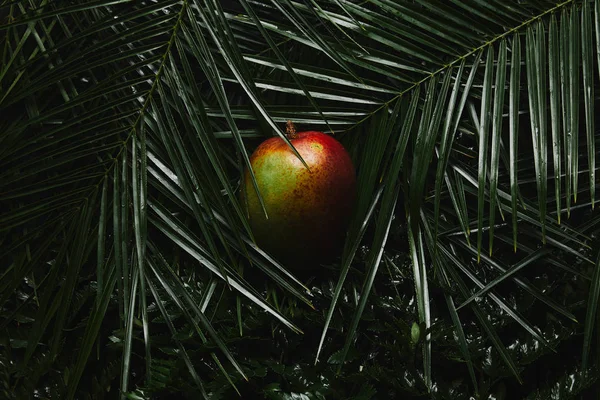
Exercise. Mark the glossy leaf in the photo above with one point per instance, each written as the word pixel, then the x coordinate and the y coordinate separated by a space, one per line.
pixel 483 131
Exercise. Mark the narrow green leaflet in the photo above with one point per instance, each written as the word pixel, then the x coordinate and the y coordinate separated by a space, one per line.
pixel 446 142
pixel 555 116
pixel 513 128
pixel 320 74
pixel 456 191
pixel 417 253
pixel 574 82
pixel 138 182
pixel 497 118
pixel 597 31
pixel 567 106
pixel 535 58
pixel 117 233
pixel 462 340
pixel 587 58
pixel 484 123
pixel 128 339
pixel 125 235
pixel 101 239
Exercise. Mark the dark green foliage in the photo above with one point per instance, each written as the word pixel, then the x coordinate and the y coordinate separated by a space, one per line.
pixel 471 266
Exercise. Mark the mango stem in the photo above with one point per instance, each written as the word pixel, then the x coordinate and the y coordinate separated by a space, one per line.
pixel 290 129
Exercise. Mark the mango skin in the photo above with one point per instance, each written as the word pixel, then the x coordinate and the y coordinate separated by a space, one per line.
pixel 308 210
